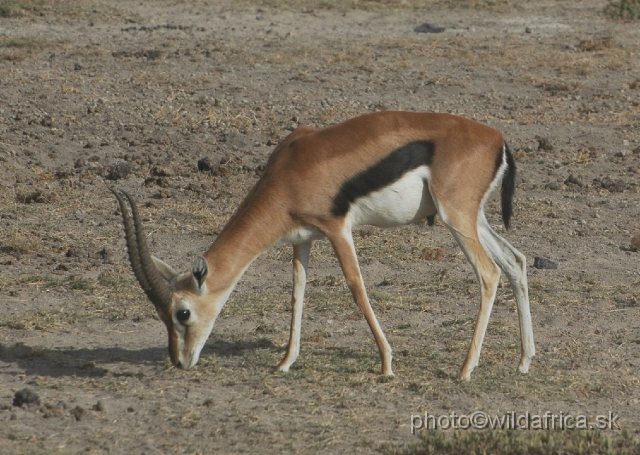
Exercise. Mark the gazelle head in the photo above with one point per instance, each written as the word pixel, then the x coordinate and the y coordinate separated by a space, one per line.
pixel 182 300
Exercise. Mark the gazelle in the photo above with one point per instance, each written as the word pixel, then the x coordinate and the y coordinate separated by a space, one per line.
pixel 383 169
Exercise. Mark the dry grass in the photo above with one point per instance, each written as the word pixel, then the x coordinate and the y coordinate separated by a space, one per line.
pixel 427 303
pixel 71 9
pixel 516 443
pixel 623 9
pixel 375 5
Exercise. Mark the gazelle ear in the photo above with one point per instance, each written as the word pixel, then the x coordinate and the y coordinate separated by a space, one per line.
pixel 165 270
pixel 199 271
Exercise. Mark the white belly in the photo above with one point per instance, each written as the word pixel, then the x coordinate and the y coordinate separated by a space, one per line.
pixel 406 201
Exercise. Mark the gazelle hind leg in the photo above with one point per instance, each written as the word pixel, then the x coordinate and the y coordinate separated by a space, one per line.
pixel 300 267
pixel 344 248
pixel 466 234
pixel 514 265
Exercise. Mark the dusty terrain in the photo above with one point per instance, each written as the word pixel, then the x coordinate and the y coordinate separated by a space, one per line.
pixel 135 93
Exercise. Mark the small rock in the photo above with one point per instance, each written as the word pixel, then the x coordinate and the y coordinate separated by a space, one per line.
pixel 77 67
pixel 78 412
pixel 428 28
pixel 46 121
pixel 635 244
pixel 544 263
pixel 99 406
pixel 573 180
pixel 74 252
pixel 527 30
pixel 161 171
pixel 206 164
pixel 544 144
pixel 554 186
pixel 615 186
pixel 26 396
pixel 119 171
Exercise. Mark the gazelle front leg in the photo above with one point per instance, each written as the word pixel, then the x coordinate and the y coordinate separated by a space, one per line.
pixel 346 252
pixel 300 267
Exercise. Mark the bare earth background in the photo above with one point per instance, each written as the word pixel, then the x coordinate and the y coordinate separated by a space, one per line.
pixel 138 92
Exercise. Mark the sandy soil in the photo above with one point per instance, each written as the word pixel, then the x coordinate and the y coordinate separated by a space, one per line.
pixel 135 93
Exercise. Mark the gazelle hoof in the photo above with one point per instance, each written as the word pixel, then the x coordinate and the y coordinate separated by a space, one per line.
pixel 524 366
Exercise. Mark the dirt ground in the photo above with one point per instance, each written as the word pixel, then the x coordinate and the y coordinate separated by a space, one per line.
pixel 135 93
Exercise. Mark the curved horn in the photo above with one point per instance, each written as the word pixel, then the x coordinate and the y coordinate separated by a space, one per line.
pixel 159 287
pixel 132 246
pixel 143 267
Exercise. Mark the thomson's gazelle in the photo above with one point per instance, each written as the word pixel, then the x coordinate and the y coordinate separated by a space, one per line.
pixel 383 169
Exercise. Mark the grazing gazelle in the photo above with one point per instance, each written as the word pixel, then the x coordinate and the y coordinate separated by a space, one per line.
pixel 383 169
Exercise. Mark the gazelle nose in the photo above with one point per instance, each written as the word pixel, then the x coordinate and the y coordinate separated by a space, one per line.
pixel 179 365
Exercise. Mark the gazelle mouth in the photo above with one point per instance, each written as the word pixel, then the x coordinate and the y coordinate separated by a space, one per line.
pixel 185 365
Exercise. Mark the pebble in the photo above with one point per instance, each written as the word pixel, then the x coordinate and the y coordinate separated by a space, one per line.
pixel 99 406
pixel 78 412
pixel 574 180
pixel 544 263
pixel 428 28
pixel 207 164
pixel 544 144
pixel 119 171
pixel 26 396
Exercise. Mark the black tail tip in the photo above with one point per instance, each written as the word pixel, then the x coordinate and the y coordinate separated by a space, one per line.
pixel 508 187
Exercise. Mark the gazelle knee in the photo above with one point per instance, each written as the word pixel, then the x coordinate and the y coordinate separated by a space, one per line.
pixel 490 277
pixel 521 261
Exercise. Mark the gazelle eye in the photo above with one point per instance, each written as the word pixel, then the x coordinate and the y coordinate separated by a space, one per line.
pixel 183 315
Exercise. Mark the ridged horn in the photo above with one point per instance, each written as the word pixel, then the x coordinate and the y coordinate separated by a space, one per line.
pixel 143 267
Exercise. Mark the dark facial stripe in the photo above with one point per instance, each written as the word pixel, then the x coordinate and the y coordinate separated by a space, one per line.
pixel 387 171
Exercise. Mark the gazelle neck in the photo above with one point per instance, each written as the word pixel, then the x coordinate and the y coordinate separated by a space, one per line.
pixel 252 229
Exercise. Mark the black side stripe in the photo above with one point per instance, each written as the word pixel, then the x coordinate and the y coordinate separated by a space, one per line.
pixel 387 171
